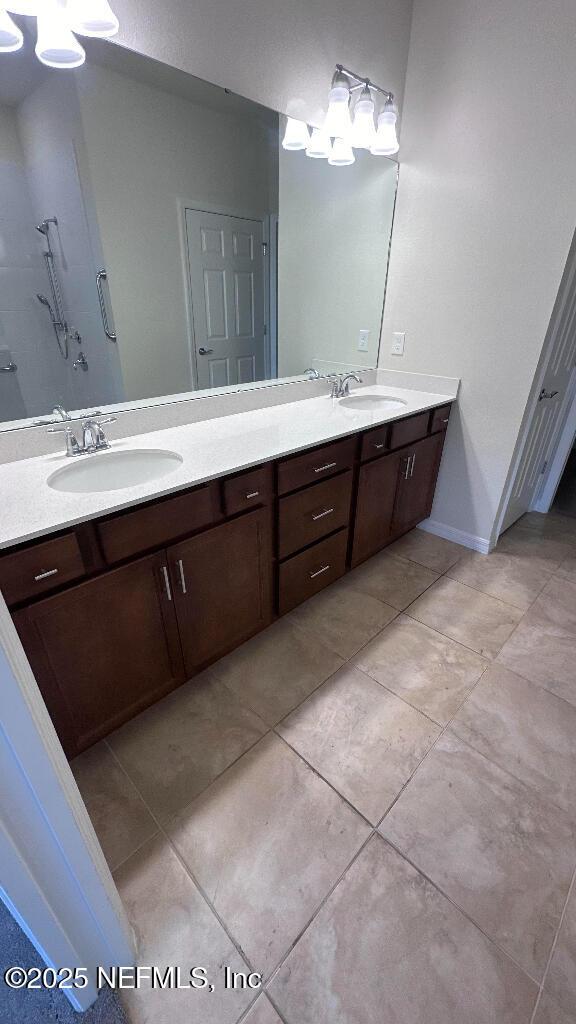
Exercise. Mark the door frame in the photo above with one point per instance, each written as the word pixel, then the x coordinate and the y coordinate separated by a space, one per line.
pixel 55 880
pixel 263 218
pixel 558 460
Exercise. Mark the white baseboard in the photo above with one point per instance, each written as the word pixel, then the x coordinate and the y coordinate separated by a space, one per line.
pixel 468 540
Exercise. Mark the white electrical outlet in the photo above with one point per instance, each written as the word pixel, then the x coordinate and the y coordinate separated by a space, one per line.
pixel 398 339
pixel 363 341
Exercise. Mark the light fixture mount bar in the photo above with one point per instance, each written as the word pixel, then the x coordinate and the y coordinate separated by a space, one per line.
pixel 361 83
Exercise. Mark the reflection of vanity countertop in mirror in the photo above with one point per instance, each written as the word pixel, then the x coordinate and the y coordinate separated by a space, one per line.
pixel 208 449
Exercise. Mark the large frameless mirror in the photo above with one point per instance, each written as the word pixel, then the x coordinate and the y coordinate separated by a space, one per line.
pixel 157 241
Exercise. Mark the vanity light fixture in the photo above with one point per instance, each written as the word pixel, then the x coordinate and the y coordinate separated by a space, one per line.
pixel 58 24
pixel 320 145
pixel 350 130
pixel 296 135
pixel 11 37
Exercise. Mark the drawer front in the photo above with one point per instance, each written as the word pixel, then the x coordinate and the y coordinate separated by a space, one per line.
pixel 375 442
pixel 306 574
pixel 440 417
pixel 409 430
pixel 247 490
pixel 308 515
pixel 156 525
pixel 315 465
pixel 35 570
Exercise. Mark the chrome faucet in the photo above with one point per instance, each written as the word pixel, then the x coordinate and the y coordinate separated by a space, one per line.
pixel 93 437
pixel 60 411
pixel 340 383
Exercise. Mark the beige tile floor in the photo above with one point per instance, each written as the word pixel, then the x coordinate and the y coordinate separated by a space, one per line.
pixel 372 804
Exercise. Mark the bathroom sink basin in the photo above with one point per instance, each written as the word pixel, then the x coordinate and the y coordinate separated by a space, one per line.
pixel 372 401
pixel 114 470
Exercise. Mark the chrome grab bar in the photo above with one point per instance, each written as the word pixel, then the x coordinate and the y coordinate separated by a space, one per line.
pixel 11 368
pixel 102 276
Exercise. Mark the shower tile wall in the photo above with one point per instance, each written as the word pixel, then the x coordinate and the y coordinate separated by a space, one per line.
pixel 47 129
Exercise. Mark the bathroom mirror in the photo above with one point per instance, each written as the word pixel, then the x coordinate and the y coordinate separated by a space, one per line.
pixel 157 242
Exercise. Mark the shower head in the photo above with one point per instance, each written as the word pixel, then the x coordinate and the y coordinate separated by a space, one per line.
pixel 44 226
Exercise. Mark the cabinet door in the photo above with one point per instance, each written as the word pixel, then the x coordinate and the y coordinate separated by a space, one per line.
pixel 377 483
pixel 104 650
pixel 222 587
pixel 416 482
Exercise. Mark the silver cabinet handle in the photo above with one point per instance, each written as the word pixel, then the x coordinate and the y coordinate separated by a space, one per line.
pixel 9 368
pixel 445 421
pixel 167 583
pixel 322 469
pixel 374 445
pixel 319 572
pixel 205 351
pixel 252 494
pixel 180 565
pixel 103 276
pixel 413 463
pixel 407 469
pixel 44 575
pixel 320 515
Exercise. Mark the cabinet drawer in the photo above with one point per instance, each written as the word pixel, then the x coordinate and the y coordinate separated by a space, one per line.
pixel 315 465
pixel 247 490
pixel 156 525
pixel 439 418
pixel 375 442
pixel 308 515
pixel 411 429
pixel 306 574
pixel 42 567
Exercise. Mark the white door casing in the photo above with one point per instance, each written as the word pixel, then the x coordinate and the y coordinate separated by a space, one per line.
pixel 549 404
pixel 226 274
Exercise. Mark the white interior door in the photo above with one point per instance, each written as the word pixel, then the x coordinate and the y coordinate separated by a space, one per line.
pixel 226 265
pixel 550 402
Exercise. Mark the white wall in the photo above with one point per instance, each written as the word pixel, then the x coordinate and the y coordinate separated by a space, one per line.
pixel 147 149
pixel 51 138
pixel 280 53
pixel 484 221
pixel 333 241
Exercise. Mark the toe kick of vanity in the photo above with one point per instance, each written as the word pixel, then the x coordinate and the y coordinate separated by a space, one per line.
pixel 120 610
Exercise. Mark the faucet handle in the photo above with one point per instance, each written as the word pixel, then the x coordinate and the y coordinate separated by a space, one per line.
pixel 72 446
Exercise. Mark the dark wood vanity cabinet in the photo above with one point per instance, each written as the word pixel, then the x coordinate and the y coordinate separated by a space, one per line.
pixel 117 612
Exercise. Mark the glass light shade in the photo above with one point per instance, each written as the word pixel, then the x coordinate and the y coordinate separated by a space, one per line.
pixel 363 130
pixel 29 8
pixel 296 135
pixel 342 154
pixel 56 45
pixel 386 140
pixel 320 146
pixel 11 37
pixel 92 18
pixel 338 122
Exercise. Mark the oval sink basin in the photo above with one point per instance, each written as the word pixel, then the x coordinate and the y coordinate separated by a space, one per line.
pixel 372 401
pixel 114 470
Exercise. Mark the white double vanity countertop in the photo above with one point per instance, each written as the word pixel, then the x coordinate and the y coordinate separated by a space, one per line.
pixel 209 448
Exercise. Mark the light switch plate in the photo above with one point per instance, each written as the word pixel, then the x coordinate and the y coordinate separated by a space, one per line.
pixel 398 339
pixel 363 341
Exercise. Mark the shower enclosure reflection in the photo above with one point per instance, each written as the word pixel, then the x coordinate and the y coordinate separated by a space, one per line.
pixel 155 236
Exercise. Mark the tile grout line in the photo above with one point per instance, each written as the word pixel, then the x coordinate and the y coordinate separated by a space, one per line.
pixel 571 890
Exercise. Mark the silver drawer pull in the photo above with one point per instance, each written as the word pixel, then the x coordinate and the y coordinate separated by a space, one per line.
pixel 320 515
pixel 180 565
pixel 445 421
pixel 319 572
pixel 44 575
pixel 253 494
pixel 412 467
pixel 322 469
pixel 167 582
pixel 378 445
pixel 406 473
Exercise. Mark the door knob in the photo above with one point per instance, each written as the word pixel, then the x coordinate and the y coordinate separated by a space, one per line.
pixel 205 351
pixel 546 394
